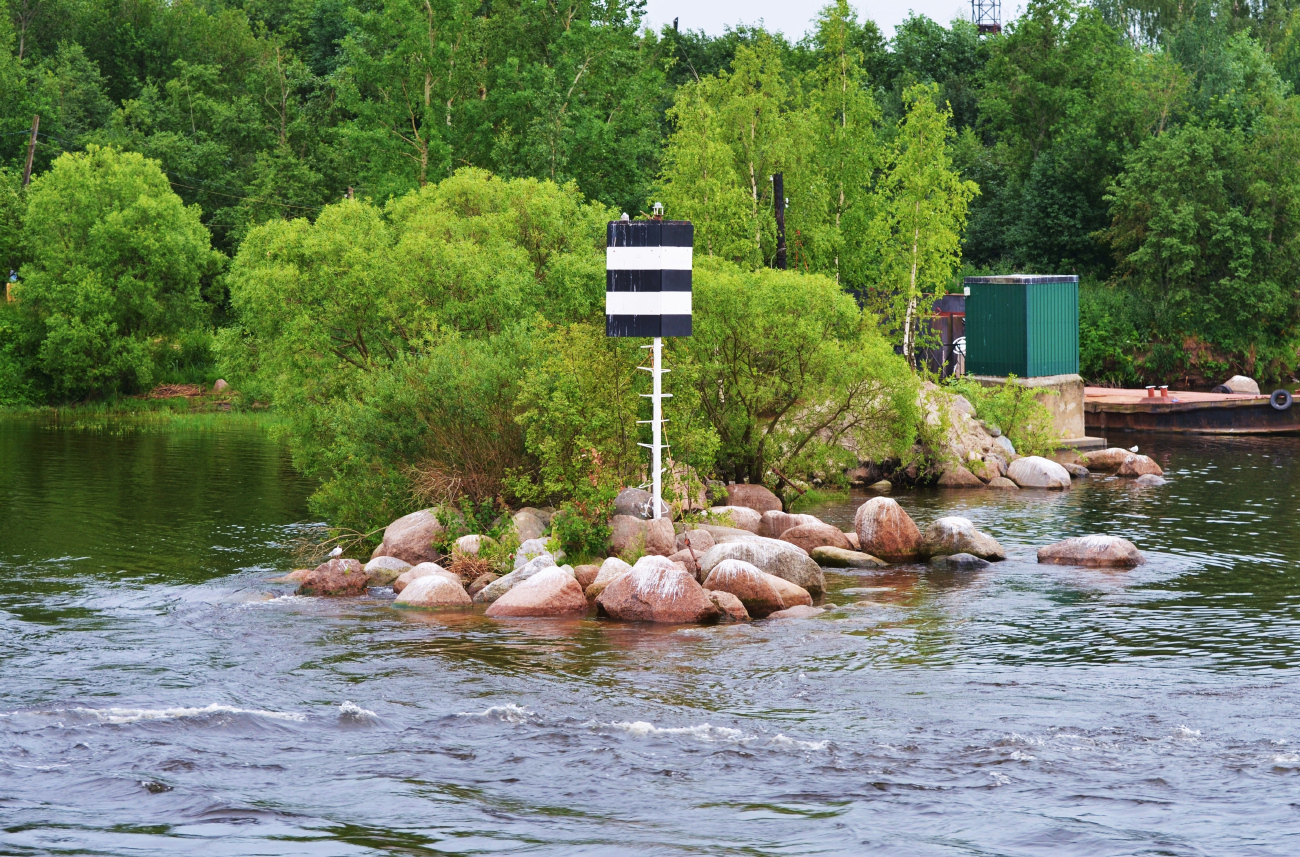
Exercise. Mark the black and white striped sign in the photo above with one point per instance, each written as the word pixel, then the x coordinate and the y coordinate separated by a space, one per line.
pixel 648 278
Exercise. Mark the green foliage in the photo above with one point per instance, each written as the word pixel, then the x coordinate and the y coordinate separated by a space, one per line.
pixel 787 367
pixel 581 525
pixel 1112 324
pixel 394 340
pixel 116 264
pixel 1015 409
pixel 1207 230
pixel 921 214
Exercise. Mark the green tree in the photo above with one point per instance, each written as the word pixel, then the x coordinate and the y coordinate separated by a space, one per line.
pixel 115 267
pixel 922 212
pixel 790 373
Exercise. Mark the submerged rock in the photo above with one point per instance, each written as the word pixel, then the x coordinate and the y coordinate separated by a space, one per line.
pixel 840 558
pixel 884 486
pixel 337 578
pixel 551 592
pixel 955 535
pixel 434 591
pixel 810 536
pixel 886 531
pixel 799 611
pixel 383 570
pixel 756 497
pixel 748 583
pixel 1094 552
pixel 1150 480
pixel 1076 471
pixel 1034 471
pixel 958 562
pixel 784 560
pixel 655 593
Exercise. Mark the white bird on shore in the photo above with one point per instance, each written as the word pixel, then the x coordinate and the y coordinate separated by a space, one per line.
pixel 1132 449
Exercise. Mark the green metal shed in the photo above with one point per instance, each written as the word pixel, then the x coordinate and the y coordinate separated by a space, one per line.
pixel 1025 325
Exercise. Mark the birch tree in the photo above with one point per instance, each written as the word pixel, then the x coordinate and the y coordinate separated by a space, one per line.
pixel 922 204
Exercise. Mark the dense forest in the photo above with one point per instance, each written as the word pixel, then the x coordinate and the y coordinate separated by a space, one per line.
pixel 348 205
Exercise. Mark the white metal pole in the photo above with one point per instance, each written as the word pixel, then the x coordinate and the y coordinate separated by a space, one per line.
pixel 657 423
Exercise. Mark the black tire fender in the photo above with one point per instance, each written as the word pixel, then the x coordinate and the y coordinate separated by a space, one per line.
pixel 1222 388
pixel 1280 400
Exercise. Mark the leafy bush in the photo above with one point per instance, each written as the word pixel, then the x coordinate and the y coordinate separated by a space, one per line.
pixel 1016 410
pixel 581 525
pixel 792 374
pixel 1110 319
pixel 116 262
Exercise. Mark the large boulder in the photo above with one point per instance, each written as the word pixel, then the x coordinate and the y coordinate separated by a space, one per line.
pixel 480 583
pixel 1004 443
pixel 414 573
pixel 700 541
pixel 657 592
pixel 742 517
pixel 1107 460
pixel 1242 384
pixel 530 550
pixel 383 570
pixel 543 515
pixel 410 538
pixel 528 525
pixel 551 592
pixel 956 476
pixel 773 524
pixel 791 594
pixel 810 536
pixel 434 591
pixel 953 535
pixel 778 558
pixel 637 502
pixel 586 574
pixel 628 534
pixel 502 585
pixel 729 607
pixel 337 578
pixel 840 558
pixel 688 560
pixel 1094 552
pixel 1076 471
pixel 958 562
pixel 748 583
pixel 472 544
pixel 886 531
pixel 1034 471
pixel 756 497
pixel 1150 480
pixel 1139 465
pixel 610 570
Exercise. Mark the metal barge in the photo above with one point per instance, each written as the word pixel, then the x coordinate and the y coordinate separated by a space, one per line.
pixel 1108 409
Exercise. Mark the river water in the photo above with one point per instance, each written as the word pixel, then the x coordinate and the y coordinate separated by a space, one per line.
pixel 159 696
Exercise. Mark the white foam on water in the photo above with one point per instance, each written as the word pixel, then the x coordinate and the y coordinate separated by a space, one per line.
pixel 1286 758
pixel 118 716
pixel 1019 756
pixel 999 779
pixel 350 710
pixel 704 732
pixel 1185 733
pixel 510 713
pixel 795 744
